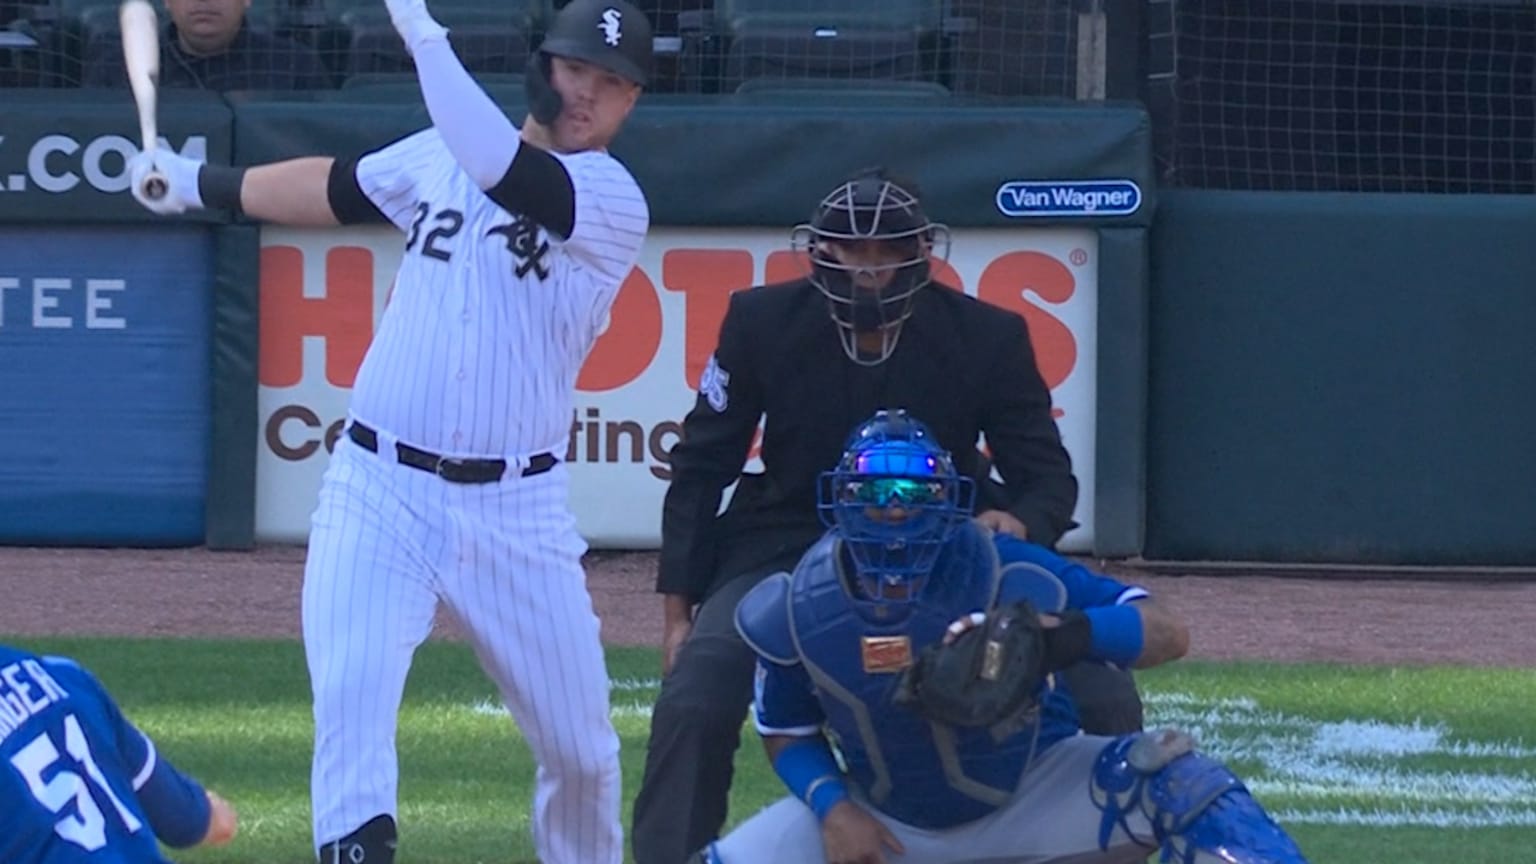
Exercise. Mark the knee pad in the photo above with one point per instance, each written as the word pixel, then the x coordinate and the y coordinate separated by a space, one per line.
pixel 374 843
pixel 1198 809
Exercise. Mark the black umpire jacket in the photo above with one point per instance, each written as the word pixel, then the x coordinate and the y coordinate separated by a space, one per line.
pixel 962 367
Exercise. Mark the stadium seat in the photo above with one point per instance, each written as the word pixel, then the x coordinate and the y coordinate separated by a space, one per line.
pixel 857 88
pixel 830 39
pixel 314 12
pixel 21 59
pixel 485 40
pixel 879 14
pixel 56 25
pixel 1012 48
pixel 405 82
pixel 321 24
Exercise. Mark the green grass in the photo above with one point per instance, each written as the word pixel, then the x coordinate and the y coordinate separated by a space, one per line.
pixel 1369 745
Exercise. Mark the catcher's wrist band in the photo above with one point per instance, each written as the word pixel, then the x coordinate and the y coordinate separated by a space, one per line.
pixel 825 793
pixel 1117 633
pixel 219 187
pixel 809 770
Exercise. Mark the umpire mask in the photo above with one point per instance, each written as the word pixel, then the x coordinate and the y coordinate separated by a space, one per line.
pixel 869 244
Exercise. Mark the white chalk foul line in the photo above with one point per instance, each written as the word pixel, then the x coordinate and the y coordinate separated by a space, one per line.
pixel 1493 817
pixel 1379 767
pixel 1309 764
pixel 634 685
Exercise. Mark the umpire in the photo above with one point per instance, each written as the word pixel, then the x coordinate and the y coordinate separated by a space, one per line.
pixel 893 339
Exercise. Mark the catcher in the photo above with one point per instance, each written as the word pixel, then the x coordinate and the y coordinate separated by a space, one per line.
pixel 923 649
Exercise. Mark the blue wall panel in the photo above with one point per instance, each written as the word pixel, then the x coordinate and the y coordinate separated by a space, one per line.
pixel 104 384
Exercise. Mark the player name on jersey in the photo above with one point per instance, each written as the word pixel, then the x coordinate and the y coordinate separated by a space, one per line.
pixel 25 689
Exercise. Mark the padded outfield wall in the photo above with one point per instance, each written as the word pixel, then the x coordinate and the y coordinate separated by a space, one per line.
pixel 203 411
pixel 1275 377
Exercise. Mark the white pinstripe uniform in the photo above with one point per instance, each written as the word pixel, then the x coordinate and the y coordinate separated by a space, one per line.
pixel 476 357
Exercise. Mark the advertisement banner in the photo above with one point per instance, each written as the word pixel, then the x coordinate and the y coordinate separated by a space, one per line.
pixel 322 293
pixel 104 382
pixel 64 154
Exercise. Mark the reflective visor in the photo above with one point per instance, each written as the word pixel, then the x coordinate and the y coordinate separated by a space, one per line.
pixel 910 477
pixel 885 491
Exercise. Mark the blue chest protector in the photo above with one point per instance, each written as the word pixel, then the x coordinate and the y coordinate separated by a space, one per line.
pixel 925 774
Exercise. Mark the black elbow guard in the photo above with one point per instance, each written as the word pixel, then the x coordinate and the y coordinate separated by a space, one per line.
pixel 538 186
pixel 348 202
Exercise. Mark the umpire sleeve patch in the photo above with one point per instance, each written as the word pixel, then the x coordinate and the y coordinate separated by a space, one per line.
pixel 712 385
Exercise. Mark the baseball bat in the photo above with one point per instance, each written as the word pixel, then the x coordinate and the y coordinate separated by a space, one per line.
pixel 141 54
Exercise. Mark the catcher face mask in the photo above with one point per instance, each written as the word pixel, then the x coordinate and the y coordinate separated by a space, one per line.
pixel 895 503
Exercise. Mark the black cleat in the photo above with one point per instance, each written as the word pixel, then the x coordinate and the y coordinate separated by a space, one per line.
pixel 374 843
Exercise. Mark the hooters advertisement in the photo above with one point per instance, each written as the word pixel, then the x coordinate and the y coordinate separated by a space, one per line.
pixel 322 293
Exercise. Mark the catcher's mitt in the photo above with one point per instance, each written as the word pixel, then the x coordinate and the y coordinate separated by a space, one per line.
pixel 987 676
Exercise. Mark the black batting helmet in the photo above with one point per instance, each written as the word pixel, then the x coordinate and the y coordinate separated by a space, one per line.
pixel 871 206
pixel 613 34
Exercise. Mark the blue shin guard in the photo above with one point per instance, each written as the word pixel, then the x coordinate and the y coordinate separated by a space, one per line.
pixel 1199 810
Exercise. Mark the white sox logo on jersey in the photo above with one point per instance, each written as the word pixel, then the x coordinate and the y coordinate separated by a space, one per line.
pixel 610 26
pixel 526 245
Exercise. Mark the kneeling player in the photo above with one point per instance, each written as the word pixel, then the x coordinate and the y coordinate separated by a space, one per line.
pixel 79 783
pixel 963 747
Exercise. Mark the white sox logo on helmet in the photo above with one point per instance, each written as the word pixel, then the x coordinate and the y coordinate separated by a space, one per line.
pixel 610 26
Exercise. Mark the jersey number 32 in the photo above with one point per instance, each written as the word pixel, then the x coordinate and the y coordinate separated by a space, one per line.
pixel 87 827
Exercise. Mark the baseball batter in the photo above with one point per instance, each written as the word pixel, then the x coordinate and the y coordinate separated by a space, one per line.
pixel 968 753
pixel 80 783
pixel 447 484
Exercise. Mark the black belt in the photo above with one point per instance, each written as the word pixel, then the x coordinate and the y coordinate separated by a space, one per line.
pixel 450 469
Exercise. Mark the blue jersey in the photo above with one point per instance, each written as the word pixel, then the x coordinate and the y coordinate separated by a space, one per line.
pixel 73 772
pixel 826 668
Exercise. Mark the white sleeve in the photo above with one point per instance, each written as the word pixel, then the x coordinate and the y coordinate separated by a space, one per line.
pixel 611 214
pixel 481 138
pixel 389 175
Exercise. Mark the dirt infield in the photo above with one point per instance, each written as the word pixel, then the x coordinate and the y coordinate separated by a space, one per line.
pixel 196 592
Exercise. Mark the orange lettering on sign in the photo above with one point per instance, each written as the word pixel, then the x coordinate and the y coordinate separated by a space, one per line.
pixel 343 317
pixel 706 277
pixel 944 273
pixel 626 349
pixel 1008 280
pixel 785 265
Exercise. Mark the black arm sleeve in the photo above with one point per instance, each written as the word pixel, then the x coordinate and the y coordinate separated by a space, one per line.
pixel 538 186
pixel 348 202
pixel 709 456
pixel 1025 442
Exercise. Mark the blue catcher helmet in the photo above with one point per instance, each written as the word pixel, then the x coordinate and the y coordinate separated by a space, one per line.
pixel 895 499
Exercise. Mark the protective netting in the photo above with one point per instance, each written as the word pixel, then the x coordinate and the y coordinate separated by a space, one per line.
pixel 1023 48
pixel 1365 96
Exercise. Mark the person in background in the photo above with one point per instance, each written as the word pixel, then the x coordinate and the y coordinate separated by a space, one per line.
pixel 211 45
pixel 867 328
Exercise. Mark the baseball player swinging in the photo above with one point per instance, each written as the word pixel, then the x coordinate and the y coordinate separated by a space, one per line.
pixel 446 484
pixel 923 647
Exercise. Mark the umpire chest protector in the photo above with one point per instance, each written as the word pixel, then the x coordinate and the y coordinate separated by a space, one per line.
pixel 926 774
